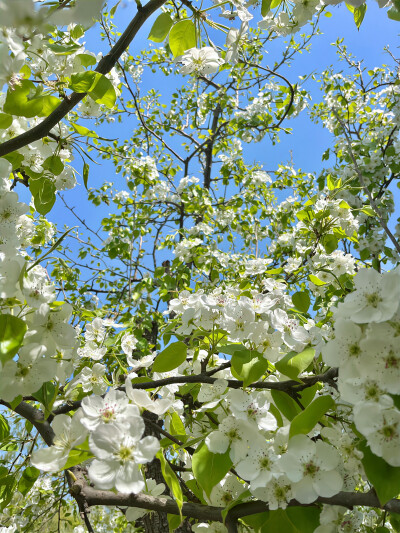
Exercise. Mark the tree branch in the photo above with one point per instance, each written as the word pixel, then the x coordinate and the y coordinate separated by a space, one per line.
pixel 36 417
pixel 70 101
pixel 207 512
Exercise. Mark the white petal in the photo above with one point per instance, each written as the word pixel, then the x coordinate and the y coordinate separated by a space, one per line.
pixel 49 459
pixel 103 473
pixel 146 449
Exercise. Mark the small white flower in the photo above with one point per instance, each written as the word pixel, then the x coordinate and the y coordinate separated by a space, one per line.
pixel 375 299
pixel 311 466
pixel 112 410
pixel 69 432
pixel 203 61
pixel 119 456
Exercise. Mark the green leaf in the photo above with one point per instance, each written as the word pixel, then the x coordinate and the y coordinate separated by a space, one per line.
pixel 286 405
pixel 174 521
pixel 170 358
pixel 23 100
pixel 305 214
pixel 78 455
pixel 15 158
pixel 46 395
pixel 63 50
pixel 265 7
pixel 85 175
pixel 182 37
pixel 301 301
pixel 294 363
pixel 368 211
pixel 5 121
pixel 26 100
pixel 316 280
pixel 96 85
pixel 209 468
pixel 171 480
pixel 305 421
pixel 330 243
pixel 27 480
pixel 16 401
pixel 44 194
pixel 359 14
pixel 305 519
pixel 82 130
pixel 384 478
pixel 290 520
pixel 176 426
pixel 82 82
pixel 394 520
pixel 243 496
pixel 86 60
pixel 12 331
pixel 4 428
pixel 54 164
pixel 103 92
pixel 50 103
pixel 7 489
pixel 160 28
pixel 248 365
pixel 330 182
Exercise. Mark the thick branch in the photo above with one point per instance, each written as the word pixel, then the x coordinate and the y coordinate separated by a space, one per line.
pixel 205 512
pixel 104 67
pixel 36 417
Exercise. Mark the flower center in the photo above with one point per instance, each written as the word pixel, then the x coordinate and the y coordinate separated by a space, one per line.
pixel 310 469
pixel 124 454
pixel 354 350
pixel 373 299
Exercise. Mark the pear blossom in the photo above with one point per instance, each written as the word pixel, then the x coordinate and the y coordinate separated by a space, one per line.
pixel 381 426
pixel 128 343
pixel 92 379
pixel 252 407
pixel 202 61
pixel 312 468
pixel 142 399
pixel 232 433
pixel 119 456
pixel 26 374
pixel 69 433
pixel 112 410
pixel 375 298
pixel 50 327
pixel 277 492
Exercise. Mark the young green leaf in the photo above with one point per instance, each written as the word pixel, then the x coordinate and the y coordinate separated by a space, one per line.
pixel 305 421
pixel 160 28
pixel 209 468
pixel 171 480
pixel 170 358
pixel 301 300
pixel 12 331
pixel 182 37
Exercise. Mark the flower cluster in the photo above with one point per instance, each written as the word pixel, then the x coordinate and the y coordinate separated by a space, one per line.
pixel 47 342
pixel 365 350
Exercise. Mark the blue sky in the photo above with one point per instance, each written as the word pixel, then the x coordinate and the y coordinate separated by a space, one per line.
pixel 307 142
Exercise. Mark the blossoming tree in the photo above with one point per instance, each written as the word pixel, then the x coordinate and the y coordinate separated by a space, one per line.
pixel 222 354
